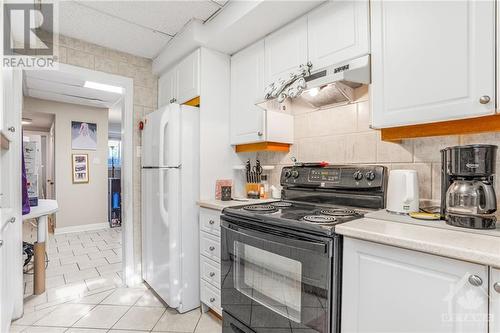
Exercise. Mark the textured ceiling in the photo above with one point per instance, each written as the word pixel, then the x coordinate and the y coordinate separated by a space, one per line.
pixel 141 28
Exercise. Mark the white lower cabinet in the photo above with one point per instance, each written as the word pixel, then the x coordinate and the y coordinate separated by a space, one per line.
pixel 210 260
pixel 494 300
pixel 389 289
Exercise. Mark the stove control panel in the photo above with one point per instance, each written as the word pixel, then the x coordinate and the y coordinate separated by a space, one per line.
pixel 341 176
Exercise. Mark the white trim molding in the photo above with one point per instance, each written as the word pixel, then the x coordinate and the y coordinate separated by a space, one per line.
pixel 81 228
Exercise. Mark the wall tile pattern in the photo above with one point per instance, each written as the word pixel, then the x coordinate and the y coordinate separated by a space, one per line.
pixel 342 135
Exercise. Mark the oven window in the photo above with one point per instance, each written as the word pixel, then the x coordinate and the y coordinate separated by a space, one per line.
pixel 269 279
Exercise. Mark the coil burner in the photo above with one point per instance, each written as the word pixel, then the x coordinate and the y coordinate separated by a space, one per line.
pixel 319 219
pixel 261 208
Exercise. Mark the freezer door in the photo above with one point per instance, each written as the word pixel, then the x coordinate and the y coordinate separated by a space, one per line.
pixel 161 137
pixel 161 233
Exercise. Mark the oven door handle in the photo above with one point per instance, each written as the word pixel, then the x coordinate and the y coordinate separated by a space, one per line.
pixel 318 247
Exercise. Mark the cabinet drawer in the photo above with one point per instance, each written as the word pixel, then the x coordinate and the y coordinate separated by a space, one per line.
pixel 210 221
pixel 210 271
pixel 210 296
pixel 210 246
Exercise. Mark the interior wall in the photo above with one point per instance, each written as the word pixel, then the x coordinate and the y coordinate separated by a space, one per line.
pixel 79 204
pixel 342 135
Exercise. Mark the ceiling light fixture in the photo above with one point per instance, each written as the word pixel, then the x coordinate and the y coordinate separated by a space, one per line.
pixel 26 121
pixel 103 87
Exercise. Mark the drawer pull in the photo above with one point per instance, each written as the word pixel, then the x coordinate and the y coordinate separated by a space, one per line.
pixel 212 300
pixel 211 222
pixel 496 286
pixel 12 220
pixel 475 280
pixel 212 274
pixel 211 248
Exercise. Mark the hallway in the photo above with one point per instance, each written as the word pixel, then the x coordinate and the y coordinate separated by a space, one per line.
pixel 85 292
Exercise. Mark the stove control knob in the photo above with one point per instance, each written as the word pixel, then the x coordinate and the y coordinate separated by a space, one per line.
pixel 288 174
pixel 357 176
pixel 370 176
pixel 295 174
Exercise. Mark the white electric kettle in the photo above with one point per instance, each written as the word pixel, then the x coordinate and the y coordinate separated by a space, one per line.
pixel 402 192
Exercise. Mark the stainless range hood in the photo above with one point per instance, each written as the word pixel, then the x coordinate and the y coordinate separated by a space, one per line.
pixel 330 85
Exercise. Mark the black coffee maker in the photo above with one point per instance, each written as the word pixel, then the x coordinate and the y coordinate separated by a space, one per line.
pixel 467 194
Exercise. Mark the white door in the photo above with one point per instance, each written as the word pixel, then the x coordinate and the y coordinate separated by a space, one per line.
pixel 11 273
pixel 494 300
pixel 188 78
pixel 247 87
pixel 285 50
pixel 389 289
pixel 431 61
pixel 167 91
pixel 337 31
pixel 50 175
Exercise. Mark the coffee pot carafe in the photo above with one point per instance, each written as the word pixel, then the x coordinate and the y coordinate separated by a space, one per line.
pixel 468 197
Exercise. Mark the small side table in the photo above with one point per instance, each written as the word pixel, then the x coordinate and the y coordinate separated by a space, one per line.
pixel 40 213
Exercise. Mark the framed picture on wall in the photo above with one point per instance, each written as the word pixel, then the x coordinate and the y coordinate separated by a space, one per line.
pixel 83 135
pixel 80 168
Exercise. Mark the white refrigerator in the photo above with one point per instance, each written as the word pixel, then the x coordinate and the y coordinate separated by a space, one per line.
pixel 170 189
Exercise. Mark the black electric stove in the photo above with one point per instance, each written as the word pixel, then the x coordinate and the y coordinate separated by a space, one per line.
pixel 281 261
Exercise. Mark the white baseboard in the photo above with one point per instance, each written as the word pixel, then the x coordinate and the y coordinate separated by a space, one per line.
pixel 80 228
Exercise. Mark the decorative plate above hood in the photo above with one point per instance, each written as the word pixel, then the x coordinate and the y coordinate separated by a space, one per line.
pixel 326 86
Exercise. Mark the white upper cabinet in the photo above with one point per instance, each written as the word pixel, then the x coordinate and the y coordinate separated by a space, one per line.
pixel 167 88
pixel 338 31
pixel 181 83
pixel 247 86
pixel 389 289
pixel 285 50
pixel 188 78
pixel 431 61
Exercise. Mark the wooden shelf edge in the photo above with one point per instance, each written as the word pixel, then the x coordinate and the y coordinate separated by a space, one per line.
pixel 4 142
pixel 193 102
pixel 452 127
pixel 262 146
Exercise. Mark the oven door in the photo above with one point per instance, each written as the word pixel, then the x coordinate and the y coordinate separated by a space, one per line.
pixel 274 280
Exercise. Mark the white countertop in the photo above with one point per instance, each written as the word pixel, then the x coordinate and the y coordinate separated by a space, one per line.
pixel 435 237
pixel 45 207
pixel 220 205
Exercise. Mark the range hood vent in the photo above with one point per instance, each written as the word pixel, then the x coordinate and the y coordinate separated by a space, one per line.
pixel 330 85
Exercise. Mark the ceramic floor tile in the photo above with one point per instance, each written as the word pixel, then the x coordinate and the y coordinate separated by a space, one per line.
pixel 102 316
pixel 86 330
pixel 17 328
pixel 149 299
pixel 125 331
pixel 66 291
pixel 140 318
pixel 124 296
pixel 209 324
pixel 65 315
pixel 94 298
pixel 46 329
pixel 101 254
pixel 86 264
pixel 32 317
pixel 110 268
pixel 111 280
pixel 74 259
pixel 172 321
pixel 81 275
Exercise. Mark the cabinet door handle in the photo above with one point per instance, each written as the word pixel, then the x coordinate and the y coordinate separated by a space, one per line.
pixel 211 222
pixel 212 300
pixel 1 242
pixel 11 129
pixel 484 99
pixel 212 274
pixel 12 220
pixel 475 280
pixel 496 286
pixel 260 133
pixel 211 248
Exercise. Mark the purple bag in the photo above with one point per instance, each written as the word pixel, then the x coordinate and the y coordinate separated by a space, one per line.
pixel 24 181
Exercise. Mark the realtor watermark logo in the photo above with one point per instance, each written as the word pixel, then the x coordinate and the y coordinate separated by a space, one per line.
pixel 28 35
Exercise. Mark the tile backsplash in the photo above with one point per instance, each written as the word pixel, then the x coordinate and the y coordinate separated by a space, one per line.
pixel 342 135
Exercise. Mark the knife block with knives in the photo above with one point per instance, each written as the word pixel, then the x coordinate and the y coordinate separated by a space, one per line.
pixel 254 179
